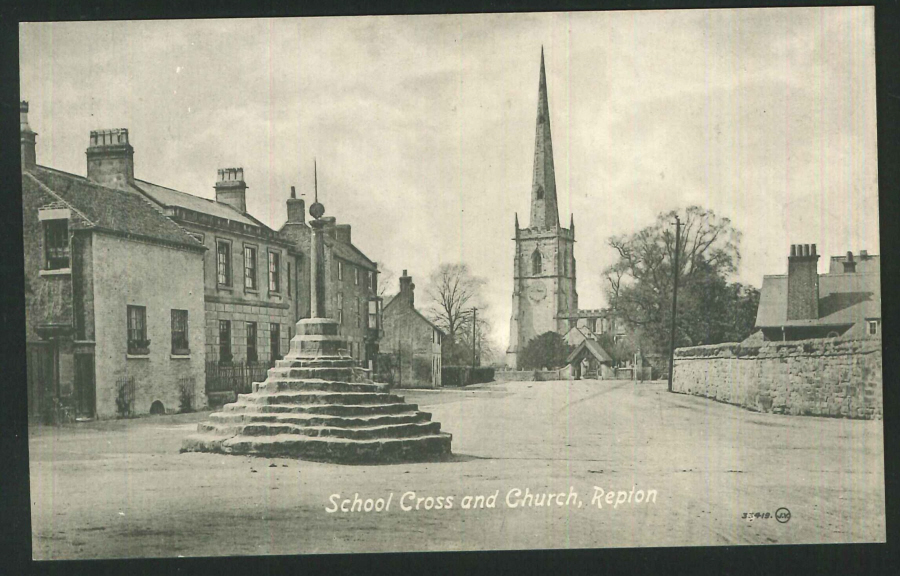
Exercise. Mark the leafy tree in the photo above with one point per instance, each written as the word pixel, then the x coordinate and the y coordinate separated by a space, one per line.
pixel 547 350
pixel 621 351
pixel 710 310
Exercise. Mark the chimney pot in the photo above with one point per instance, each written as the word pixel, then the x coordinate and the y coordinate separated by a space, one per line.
pixel 813 250
pixel 863 254
pixel 849 256
pixel 793 249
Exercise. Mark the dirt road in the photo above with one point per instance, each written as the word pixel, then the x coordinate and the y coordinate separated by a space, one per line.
pixel 121 489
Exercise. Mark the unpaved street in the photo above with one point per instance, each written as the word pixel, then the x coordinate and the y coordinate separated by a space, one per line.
pixel 121 488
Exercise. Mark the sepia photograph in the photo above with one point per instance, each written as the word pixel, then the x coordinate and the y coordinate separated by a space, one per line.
pixel 460 282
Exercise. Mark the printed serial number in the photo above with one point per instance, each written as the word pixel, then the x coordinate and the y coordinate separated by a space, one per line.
pixel 757 516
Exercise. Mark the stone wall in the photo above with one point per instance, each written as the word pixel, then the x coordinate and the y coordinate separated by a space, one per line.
pixel 821 377
pixel 531 375
pixel 128 272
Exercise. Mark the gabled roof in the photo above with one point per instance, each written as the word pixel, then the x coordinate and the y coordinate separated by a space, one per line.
pixel 169 197
pixel 592 347
pixel 393 299
pixel 844 299
pixel 122 212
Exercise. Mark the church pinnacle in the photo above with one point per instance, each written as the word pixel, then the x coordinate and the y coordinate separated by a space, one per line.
pixel 544 212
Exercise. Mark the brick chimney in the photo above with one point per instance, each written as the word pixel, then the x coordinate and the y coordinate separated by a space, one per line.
pixel 342 233
pixel 407 290
pixel 803 283
pixel 27 137
pixel 231 188
pixel 110 158
pixel 849 264
pixel 296 208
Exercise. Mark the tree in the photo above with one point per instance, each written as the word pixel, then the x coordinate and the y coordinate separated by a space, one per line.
pixel 548 350
pixel 452 293
pixel 710 310
pixel 621 351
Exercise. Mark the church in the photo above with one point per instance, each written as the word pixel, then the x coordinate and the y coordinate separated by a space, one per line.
pixel 544 296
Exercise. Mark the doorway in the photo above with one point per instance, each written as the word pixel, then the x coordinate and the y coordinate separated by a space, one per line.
pixel 84 386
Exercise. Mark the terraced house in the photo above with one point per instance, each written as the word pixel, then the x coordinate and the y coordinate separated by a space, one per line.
pixel 351 282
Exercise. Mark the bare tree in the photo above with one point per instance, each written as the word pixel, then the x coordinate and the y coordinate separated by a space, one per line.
pixel 452 293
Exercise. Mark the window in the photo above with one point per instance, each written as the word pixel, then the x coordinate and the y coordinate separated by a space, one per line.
pixel 340 270
pixel 358 316
pixel 225 341
pixel 137 330
pixel 540 192
pixel 252 356
pixel 356 277
pixel 371 281
pixel 56 244
pixel 180 332
pixel 289 279
pixel 275 340
pixel 250 267
pixel 872 328
pixel 340 306
pixel 373 314
pixel 274 272
pixel 223 262
pixel 536 262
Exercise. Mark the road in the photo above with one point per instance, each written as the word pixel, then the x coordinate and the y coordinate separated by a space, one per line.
pixel 122 489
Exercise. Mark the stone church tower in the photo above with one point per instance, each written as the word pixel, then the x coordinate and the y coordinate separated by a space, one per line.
pixel 544 296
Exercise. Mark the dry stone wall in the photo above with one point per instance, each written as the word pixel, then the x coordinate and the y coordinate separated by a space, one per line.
pixel 820 377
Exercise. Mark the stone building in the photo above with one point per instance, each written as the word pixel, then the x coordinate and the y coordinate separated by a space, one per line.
pixel 544 296
pixel 803 304
pixel 114 292
pixel 412 339
pixel 351 277
pixel 250 273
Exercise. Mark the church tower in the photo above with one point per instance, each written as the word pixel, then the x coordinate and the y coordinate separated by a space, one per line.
pixel 544 296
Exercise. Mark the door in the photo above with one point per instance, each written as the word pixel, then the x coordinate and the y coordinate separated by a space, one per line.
pixel 84 386
pixel 42 380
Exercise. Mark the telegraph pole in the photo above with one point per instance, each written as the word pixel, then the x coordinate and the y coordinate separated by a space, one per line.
pixel 474 320
pixel 674 299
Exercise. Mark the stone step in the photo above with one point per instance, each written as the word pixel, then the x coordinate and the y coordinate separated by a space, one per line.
pixel 233 418
pixel 328 409
pixel 330 373
pixel 327 449
pixel 318 397
pixel 282 383
pixel 362 433
pixel 320 362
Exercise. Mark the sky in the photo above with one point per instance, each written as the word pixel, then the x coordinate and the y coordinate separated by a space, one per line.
pixel 423 127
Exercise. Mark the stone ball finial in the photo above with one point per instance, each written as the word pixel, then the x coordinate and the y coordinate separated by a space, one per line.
pixel 316 210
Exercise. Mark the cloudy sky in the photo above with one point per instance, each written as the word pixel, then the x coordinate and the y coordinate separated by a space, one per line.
pixel 423 126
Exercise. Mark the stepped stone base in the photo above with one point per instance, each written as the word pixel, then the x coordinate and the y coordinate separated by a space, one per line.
pixel 315 405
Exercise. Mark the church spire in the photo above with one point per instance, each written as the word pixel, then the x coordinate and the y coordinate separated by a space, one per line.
pixel 544 212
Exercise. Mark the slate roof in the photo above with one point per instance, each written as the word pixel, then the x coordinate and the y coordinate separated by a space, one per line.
pixel 170 197
pixel 350 253
pixel 121 212
pixel 393 298
pixel 594 348
pixel 843 299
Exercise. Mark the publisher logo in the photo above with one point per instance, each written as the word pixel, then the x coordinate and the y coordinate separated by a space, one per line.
pixel 783 515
